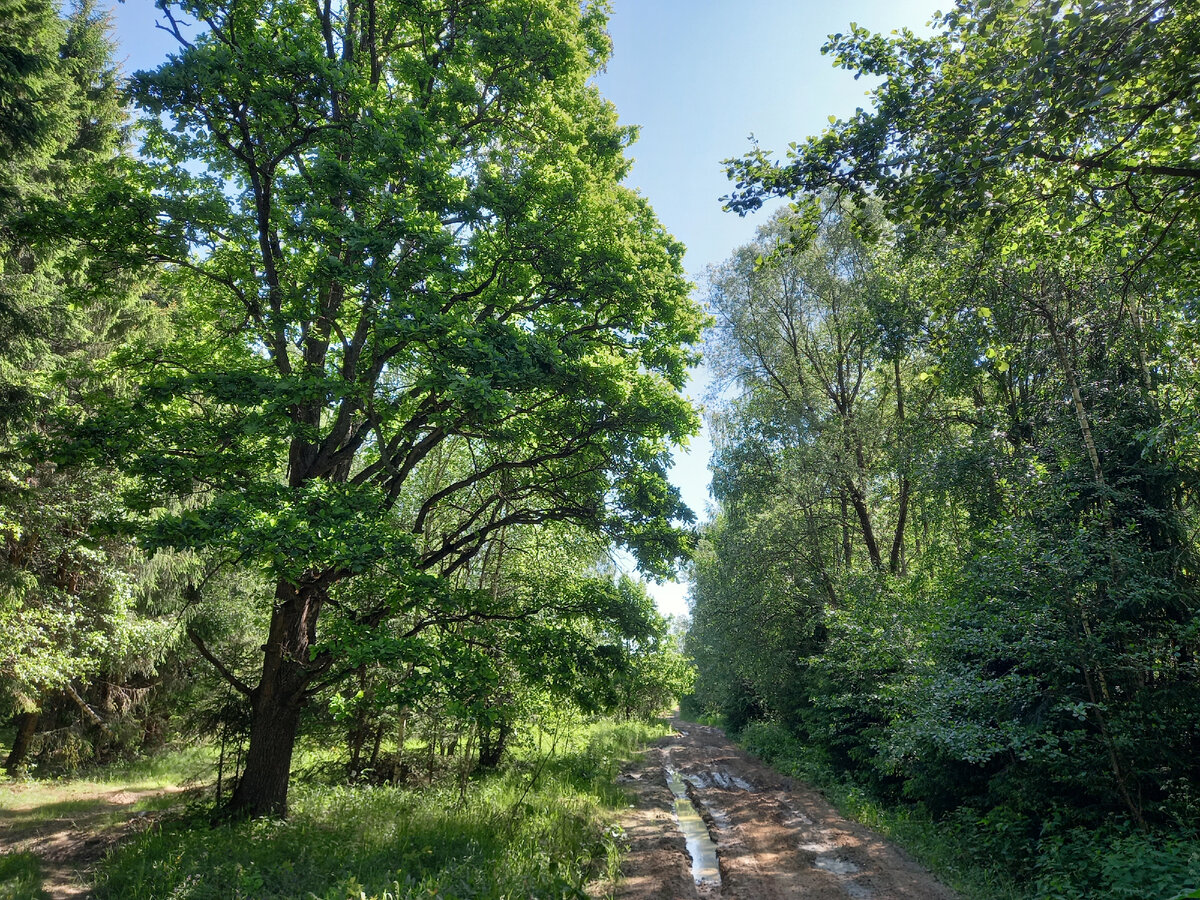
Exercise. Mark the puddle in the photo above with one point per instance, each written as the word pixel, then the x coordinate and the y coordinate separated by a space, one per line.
pixel 796 819
pixel 700 845
pixel 721 780
pixel 844 869
pixel 836 865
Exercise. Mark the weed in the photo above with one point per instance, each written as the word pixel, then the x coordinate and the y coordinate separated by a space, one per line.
pixel 20 877
pixel 969 850
pixel 543 827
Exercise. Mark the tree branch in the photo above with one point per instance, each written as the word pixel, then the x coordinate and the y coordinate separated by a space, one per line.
pixel 224 672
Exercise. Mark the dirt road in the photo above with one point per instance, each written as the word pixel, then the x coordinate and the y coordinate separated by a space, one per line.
pixel 69 835
pixel 774 838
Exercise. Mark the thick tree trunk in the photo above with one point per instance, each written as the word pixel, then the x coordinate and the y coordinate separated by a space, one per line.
pixel 491 747
pixel 277 701
pixel 26 723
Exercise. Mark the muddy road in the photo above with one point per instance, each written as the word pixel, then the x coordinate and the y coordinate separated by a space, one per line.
pixel 774 838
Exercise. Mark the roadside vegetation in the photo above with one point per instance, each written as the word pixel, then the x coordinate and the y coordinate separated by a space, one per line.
pixel 965 851
pixel 952 571
pixel 543 824
pixel 315 424
pixel 339 367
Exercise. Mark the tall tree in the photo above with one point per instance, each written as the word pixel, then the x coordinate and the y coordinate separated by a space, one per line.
pixel 67 607
pixel 1012 114
pixel 394 229
pixel 815 336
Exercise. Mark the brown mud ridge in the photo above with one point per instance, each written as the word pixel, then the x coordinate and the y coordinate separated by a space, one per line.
pixel 775 838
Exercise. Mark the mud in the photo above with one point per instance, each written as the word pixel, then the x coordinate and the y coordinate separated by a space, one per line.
pixel 775 837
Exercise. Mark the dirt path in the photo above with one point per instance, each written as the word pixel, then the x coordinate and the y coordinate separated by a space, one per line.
pixel 775 838
pixel 69 837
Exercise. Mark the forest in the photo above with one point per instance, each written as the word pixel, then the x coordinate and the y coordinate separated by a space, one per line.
pixel 341 373
pixel 955 554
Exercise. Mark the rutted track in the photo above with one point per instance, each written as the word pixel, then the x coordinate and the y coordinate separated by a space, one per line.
pixel 775 838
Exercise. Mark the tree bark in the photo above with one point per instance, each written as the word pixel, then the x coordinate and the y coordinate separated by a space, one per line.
pixel 491 747
pixel 896 560
pixel 846 550
pixel 26 723
pixel 277 701
pixel 864 520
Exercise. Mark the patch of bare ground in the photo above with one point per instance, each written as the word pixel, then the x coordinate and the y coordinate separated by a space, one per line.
pixel 775 838
pixel 70 836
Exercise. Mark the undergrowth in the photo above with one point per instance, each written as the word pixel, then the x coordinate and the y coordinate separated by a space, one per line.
pixel 20 877
pixel 540 828
pixel 968 850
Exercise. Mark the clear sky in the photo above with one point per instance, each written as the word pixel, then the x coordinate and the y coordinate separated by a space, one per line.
pixel 699 77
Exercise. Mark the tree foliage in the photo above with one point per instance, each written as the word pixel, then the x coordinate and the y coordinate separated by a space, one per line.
pixel 70 607
pixel 1070 112
pixel 1027 672
pixel 416 310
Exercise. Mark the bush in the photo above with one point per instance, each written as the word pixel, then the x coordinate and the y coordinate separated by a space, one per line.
pixel 1110 865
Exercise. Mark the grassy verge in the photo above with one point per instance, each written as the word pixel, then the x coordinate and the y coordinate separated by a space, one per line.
pixel 540 828
pixel 968 852
pixel 935 845
pixel 20 877
pixel 103 796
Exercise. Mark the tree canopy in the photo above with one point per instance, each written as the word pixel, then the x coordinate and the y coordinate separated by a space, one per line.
pixel 417 310
pixel 1048 111
pixel 1006 382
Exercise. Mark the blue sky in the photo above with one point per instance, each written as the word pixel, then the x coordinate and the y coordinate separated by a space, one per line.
pixel 699 77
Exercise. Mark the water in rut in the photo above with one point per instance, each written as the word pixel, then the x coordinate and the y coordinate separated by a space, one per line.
pixel 700 844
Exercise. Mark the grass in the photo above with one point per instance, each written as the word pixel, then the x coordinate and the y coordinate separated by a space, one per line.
pixel 1108 864
pixel 541 828
pixel 105 797
pixel 20 877
pixel 29 803
pixel 935 845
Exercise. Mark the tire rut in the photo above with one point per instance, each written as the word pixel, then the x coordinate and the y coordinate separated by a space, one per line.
pixel 775 838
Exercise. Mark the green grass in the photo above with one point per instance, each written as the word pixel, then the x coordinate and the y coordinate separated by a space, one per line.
pixel 103 794
pixel 541 828
pixel 967 851
pixel 104 798
pixel 20 877
pixel 935 845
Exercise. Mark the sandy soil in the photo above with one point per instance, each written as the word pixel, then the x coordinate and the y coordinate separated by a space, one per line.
pixel 775 837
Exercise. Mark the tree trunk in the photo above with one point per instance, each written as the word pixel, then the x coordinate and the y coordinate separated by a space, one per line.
pixel 846 551
pixel 864 521
pixel 1064 360
pixel 401 736
pixel 896 559
pixel 26 723
pixel 276 702
pixel 491 747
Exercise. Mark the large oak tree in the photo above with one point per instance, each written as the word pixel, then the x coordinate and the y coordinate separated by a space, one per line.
pixel 391 229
